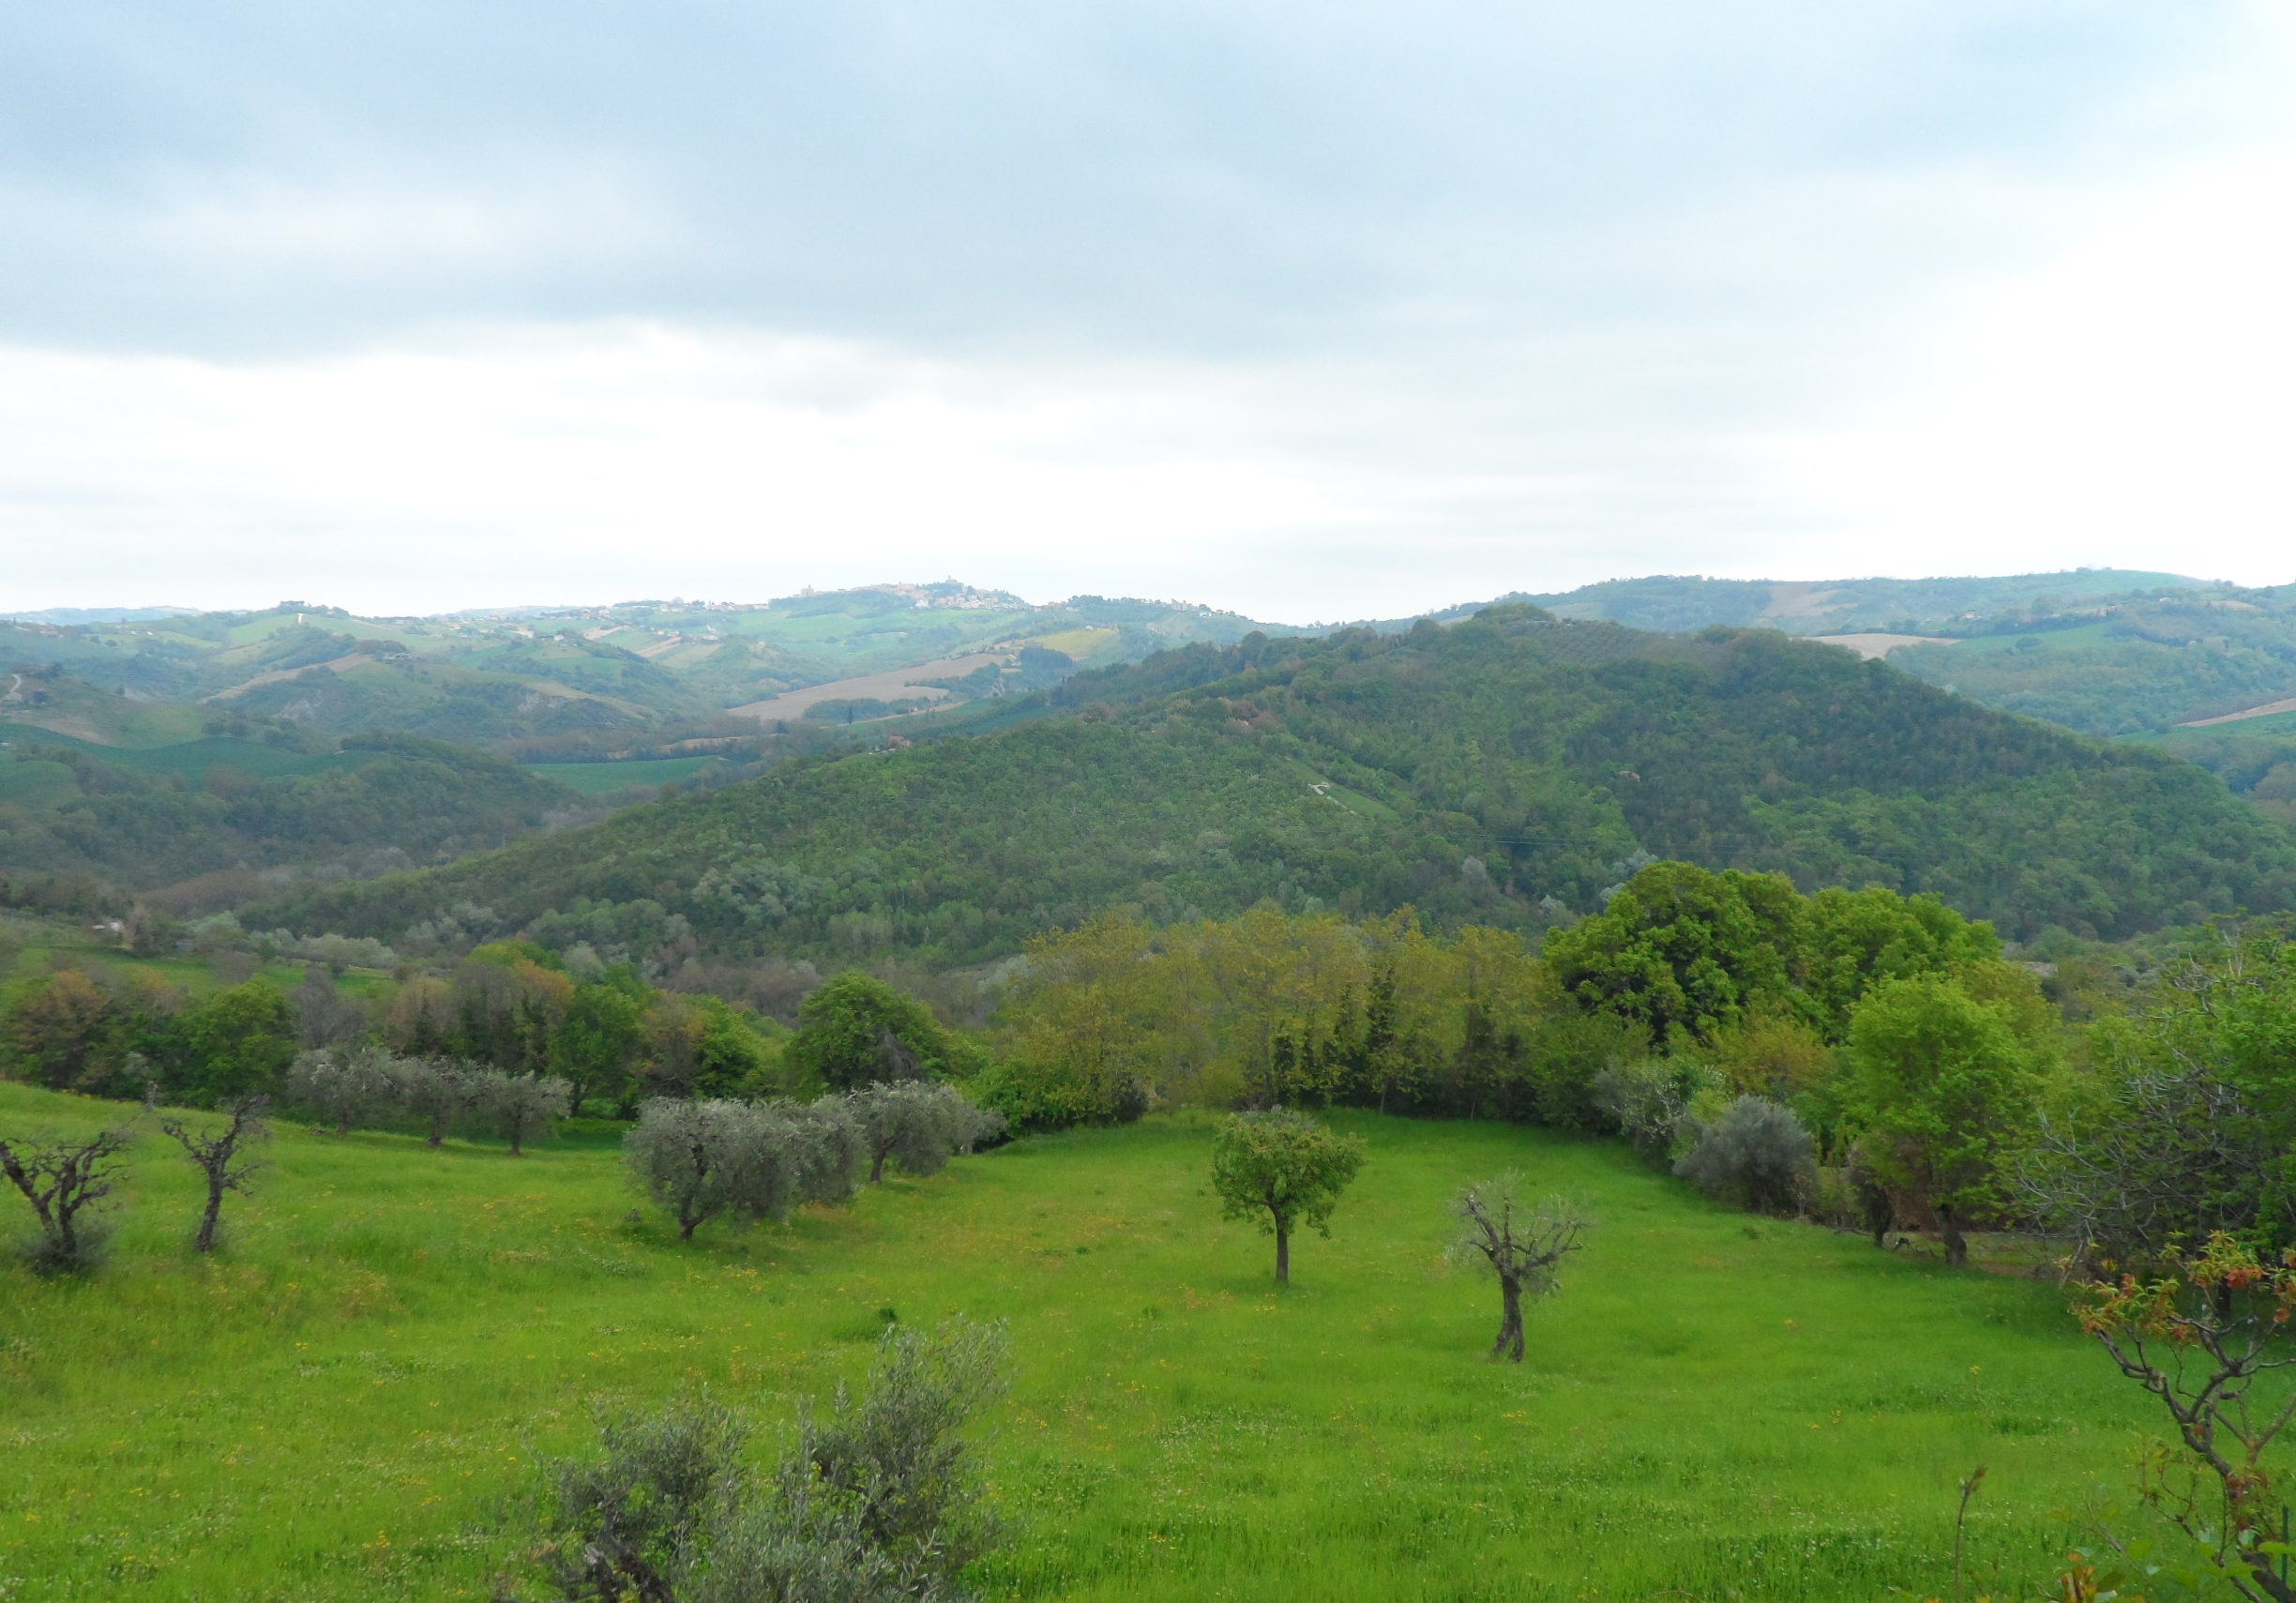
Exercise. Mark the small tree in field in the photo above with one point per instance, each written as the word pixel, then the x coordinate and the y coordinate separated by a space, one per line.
pixel 62 1179
pixel 443 1091
pixel 1523 1247
pixel 1282 1170
pixel 221 1157
pixel 2200 1339
pixel 696 1159
pixel 919 1124
pixel 700 1160
pixel 526 1105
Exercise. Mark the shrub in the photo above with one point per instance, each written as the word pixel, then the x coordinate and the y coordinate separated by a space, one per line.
pixel 1041 1097
pixel 1756 1154
pixel 879 1502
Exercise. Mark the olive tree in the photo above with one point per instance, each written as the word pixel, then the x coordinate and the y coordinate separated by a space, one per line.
pixel 1523 1247
pixel 346 1085
pixel 919 1124
pixel 221 1156
pixel 524 1106
pixel 440 1089
pixel 700 1160
pixel 63 1178
pixel 1756 1154
pixel 827 1147
pixel 1282 1170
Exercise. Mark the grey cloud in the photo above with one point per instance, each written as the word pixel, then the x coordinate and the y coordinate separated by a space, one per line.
pixel 1187 177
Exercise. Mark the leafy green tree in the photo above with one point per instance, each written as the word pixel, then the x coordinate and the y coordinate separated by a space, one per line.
pixel 700 1046
pixel 1943 1092
pixel 1858 938
pixel 238 1043
pixel 603 1033
pixel 2185 1126
pixel 1683 952
pixel 1282 1170
pixel 857 1030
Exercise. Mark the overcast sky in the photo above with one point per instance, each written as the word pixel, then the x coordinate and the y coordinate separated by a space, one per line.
pixel 1314 311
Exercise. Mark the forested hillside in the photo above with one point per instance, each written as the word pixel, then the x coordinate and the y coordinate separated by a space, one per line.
pixel 1507 770
pixel 383 800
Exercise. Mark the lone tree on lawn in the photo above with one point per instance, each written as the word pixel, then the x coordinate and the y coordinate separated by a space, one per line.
pixel 1283 1169
pixel 919 1124
pixel 218 1157
pixel 524 1105
pixel 61 1178
pixel 755 1161
pixel 1522 1247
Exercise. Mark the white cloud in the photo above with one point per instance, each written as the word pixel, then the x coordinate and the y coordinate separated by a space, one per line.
pixel 1313 313
pixel 2130 402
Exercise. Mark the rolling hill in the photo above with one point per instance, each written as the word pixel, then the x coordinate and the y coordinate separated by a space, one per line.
pixel 1506 769
pixel 584 682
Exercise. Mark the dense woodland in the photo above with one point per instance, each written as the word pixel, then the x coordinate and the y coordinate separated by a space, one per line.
pixel 408 800
pixel 1506 771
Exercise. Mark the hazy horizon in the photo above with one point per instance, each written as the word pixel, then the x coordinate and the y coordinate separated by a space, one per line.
pixel 100 612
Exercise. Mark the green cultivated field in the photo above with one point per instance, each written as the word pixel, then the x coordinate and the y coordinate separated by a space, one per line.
pixel 347 1404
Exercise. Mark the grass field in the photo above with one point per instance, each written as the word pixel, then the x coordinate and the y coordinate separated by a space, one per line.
pixel 348 1402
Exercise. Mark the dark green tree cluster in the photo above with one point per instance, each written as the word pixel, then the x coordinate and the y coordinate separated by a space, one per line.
pixel 422 798
pixel 75 1033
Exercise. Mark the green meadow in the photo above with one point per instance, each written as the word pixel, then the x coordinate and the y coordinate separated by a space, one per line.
pixel 347 1403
